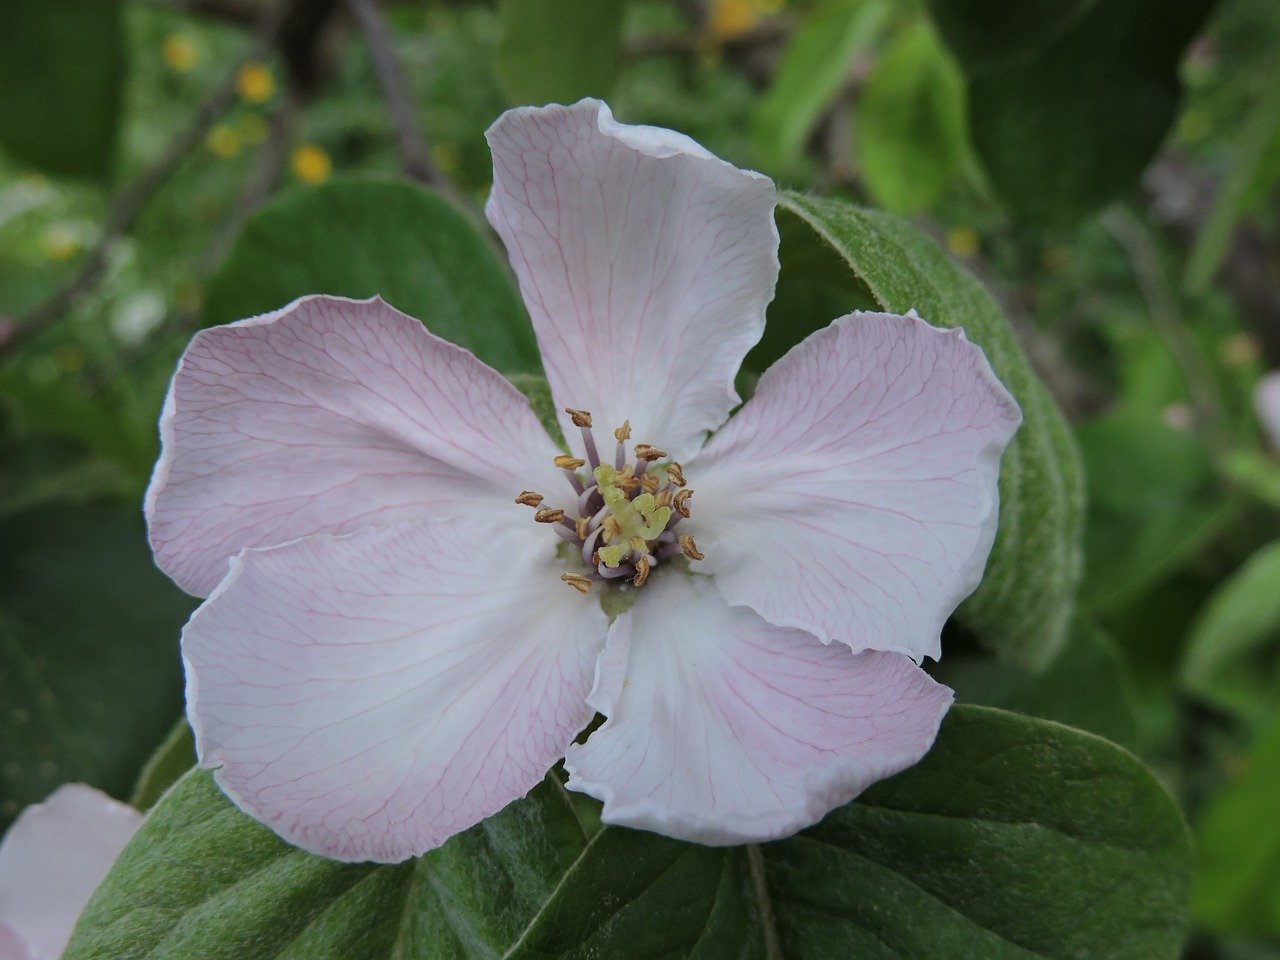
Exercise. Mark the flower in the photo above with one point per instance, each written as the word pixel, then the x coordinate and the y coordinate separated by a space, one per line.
pixel 416 601
pixel 1266 401
pixel 51 860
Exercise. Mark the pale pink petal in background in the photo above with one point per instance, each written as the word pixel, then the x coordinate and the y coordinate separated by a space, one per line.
pixel 1266 400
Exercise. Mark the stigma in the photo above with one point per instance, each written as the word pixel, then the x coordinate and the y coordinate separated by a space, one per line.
pixel 625 513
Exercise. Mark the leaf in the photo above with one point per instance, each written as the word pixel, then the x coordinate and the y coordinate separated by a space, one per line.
pixel 1065 131
pixel 1231 659
pixel 910 123
pixel 361 238
pixel 1238 842
pixel 984 33
pixel 1023 607
pixel 68 60
pixel 1013 838
pixel 813 67
pixel 166 766
pixel 90 677
pixel 558 51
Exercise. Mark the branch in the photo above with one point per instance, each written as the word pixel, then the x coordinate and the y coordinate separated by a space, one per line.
pixel 131 201
pixel 410 142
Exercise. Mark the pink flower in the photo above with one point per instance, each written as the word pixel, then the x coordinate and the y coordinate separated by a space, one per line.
pixel 1266 400
pixel 397 648
pixel 51 860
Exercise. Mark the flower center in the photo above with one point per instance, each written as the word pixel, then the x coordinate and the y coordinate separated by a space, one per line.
pixel 624 519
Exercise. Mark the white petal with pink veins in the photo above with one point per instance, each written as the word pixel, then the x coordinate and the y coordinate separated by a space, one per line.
pixel 51 860
pixel 369 696
pixel 725 729
pixel 854 496
pixel 324 417
pixel 645 262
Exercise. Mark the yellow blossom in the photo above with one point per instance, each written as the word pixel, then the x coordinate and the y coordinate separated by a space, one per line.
pixel 179 52
pixel 255 83
pixel 311 164
pixel 224 142
pixel 963 242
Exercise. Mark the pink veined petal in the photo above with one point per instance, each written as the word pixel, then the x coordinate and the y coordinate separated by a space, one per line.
pixel 646 264
pixel 726 729
pixel 324 417
pixel 1266 400
pixel 854 496
pixel 369 696
pixel 51 860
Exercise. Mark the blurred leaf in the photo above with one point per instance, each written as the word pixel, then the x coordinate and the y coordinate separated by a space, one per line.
pixel 1233 652
pixel 62 67
pixel 1072 127
pixel 994 846
pixel 813 67
pixel 357 239
pixel 558 51
pixel 1086 685
pixel 1238 842
pixel 1152 504
pixel 1255 168
pixel 984 33
pixel 1023 607
pixel 171 760
pixel 41 469
pixel 910 128
pixel 90 677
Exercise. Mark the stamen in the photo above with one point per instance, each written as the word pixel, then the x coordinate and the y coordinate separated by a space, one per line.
pixel 675 474
pixel 565 462
pixel 642 572
pixel 589 547
pixel 582 526
pixel 638 544
pixel 549 516
pixel 663 498
pixel 681 502
pixel 580 418
pixel 529 498
pixel 622 435
pixel 690 549
pixel 649 482
pixel 613 573
pixel 649 453
pixel 577 581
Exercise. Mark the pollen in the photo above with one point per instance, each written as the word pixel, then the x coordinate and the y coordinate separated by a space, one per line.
pixel 529 498
pixel 569 463
pixel 576 580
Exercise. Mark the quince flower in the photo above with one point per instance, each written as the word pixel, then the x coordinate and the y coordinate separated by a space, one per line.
pixel 51 860
pixel 1266 401
pixel 416 601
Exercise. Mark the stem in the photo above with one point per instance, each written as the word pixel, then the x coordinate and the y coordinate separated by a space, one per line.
pixel 760 886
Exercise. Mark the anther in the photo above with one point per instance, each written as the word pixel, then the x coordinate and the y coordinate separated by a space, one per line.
pixel 577 581
pixel 642 572
pixel 582 527
pixel 675 474
pixel 681 502
pixel 529 498
pixel 638 544
pixel 549 516
pixel 650 483
pixel 623 433
pixel 611 528
pixel 580 418
pixel 690 549
pixel 565 462
pixel 664 498
pixel 649 453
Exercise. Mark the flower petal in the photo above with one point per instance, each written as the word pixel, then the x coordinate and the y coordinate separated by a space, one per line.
pixel 726 729
pixel 369 696
pixel 646 264
pixel 854 496
pixel 1266 400
pixel 324 417
pixel 52 859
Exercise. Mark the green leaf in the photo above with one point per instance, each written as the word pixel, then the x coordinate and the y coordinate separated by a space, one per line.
pixel 1232 648
pixel 813 67
pixel 1238 842
pixel 1023 607
pixel 558 51
pixel 90 677
pixel 910 126
pixel 1086 685
pixel 1065 131
pixel 1013 838
pixel 166 766
pixel 985 33
pixel 62 65
pixel 360 239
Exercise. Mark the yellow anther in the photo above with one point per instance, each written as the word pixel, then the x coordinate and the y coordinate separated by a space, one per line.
pixel 577 581
pixel 610 529
pixel 663 498
pixel 549 516
pixel 580 418
pixel 565 462
pixel 623 433
pixel 638 544
pixel 681 501
pixel 529 498
pixel 675 474
pixel 642 572
pixel 612 556
pixel 649 453
pixel 628 482
pixel 689 548
pixel 650 482
pixel 582 527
